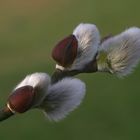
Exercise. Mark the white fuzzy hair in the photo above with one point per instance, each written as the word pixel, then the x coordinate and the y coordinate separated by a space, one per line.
pixel 40 82
pixel 122 51
pixel 35 80
pixel 88 40
pixel 63 97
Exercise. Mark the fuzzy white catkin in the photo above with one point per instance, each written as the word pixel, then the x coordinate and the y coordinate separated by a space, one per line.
pixel 36 79
pixel 56 100
pixel 88 41
pixel 123 51
pixel 63 97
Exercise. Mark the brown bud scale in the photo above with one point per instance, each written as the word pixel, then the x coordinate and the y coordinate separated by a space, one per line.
pixel 65 51
pixel 21 99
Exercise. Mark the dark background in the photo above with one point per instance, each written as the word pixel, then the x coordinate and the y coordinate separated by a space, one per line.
pixel 29 29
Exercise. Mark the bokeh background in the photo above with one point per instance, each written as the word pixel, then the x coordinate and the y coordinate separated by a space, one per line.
pixel 29 29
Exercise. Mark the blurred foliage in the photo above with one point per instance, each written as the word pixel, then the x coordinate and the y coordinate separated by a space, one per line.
pixel 29 30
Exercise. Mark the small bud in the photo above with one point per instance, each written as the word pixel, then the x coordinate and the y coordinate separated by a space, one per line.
pixel 65 51
pixel 21 99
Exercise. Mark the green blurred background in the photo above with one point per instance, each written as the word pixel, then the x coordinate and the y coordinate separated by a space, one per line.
pixel 29 29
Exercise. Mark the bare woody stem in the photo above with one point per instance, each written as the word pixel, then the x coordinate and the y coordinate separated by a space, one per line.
pixel 5 113
pixel 59 74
